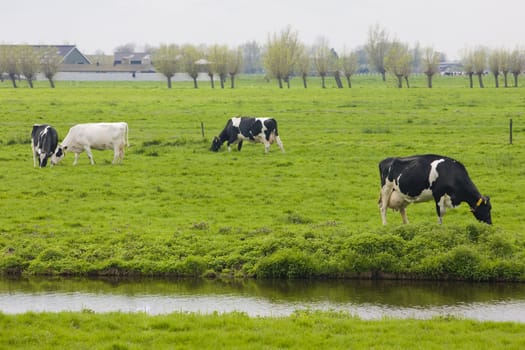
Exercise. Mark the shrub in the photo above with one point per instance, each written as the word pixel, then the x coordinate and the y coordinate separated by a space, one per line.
pixel 285 263
pixel 463 262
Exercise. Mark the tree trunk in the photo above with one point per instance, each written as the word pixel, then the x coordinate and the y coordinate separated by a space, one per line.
pixel 13 80
pixel 211 80
pixel 222 78
pixel 399 81
pixel 470 80
pixel 195 85
pixel 232 78
pixel 305 84
pixel 496 75
pixel 480 78
pixel 383 75
pixel 348 81
pixel 280 81
pixel 408 84
pixel 515 74
pixel 429 81
pixel 51 82
pixel 506 79
pixel 30 82
pixel 169 82
pixel 322 81
pixel 338 81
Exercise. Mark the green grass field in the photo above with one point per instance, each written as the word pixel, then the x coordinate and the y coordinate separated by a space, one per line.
pixel 175 208
pixel 303 330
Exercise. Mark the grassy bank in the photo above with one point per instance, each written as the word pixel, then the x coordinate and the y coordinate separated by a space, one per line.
pixel 303 330
pixel 174 208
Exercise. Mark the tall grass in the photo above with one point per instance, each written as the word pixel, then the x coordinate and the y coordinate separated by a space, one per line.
pixel 175 208
pixel 303 330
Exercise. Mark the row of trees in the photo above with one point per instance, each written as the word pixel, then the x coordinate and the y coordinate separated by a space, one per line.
pixel 284 56
pixel 216 60
pixel 27 61
pixel 498 62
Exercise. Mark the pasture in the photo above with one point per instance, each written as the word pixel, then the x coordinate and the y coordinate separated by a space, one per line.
pixel 175 208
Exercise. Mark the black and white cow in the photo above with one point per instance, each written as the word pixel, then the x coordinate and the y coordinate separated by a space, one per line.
pixel 44 142
pixel 257 130
pixel 429 177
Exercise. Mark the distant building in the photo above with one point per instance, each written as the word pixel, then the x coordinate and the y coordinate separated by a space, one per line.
pixel 130 58
pixel 69 53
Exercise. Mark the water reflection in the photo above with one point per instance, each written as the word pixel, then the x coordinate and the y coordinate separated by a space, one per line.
pixel 367 299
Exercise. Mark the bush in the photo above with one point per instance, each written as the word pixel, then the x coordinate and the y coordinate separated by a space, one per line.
pixel 463 262
pixel 285 263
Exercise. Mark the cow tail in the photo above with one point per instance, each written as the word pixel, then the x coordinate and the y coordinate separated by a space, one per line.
pixel 127 133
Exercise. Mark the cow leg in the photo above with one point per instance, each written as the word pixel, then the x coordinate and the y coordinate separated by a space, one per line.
pixel 279 143
pixel 89 154
pixel 34 153
pixel 42 160
pixel 119 154
pixel 442 203
pixel 239 146
pixel 266 146
pixel 76 158
pixel 403 212
pixel 384 197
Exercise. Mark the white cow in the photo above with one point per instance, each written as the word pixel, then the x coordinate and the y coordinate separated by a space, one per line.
pixel 100 136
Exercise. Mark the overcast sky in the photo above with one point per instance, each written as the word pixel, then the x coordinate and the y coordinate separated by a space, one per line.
pixel 446 25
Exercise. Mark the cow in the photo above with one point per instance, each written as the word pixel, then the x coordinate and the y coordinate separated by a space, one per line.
pixel 99 136
pixel 257 130
pixel 421 178
pixel 44 142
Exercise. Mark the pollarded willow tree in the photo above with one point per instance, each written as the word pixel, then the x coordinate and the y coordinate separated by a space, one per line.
pixel 517 64
pixel 430 63
pixel 495 63
pixel 398 62
pixel 167 61
pixel 29 60
pixel 349 62
pixel 282 53
pixel 467 60
pixel 49 62
pixel 479 63
pixel 217 63
pixel 234 64
pixel 303 64
pixel 10 58
pixel 190 55
pixel 323 59
pixel 377 47
pixel 505 65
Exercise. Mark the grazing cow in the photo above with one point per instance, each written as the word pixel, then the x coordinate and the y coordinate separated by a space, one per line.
pixel 423 178
pixel 44 142
pixel 100 136
pixel 257 130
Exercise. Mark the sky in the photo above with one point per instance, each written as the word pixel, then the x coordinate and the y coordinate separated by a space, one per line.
pixel 102 25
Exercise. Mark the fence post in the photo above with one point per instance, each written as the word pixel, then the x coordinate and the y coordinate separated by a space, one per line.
pixel 202 129
pixel 510 131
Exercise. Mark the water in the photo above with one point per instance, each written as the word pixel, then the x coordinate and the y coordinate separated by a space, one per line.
pixel 366 299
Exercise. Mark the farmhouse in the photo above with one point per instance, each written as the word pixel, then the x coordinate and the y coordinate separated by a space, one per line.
pixel 132 58
pixel 70 54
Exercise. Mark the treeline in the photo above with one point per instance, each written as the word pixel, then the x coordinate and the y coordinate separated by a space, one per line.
pixel 284 56
pixel 28 61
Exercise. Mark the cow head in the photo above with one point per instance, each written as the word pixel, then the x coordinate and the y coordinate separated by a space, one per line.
pixel 215 144
pixel 58 155
pixel 482 210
